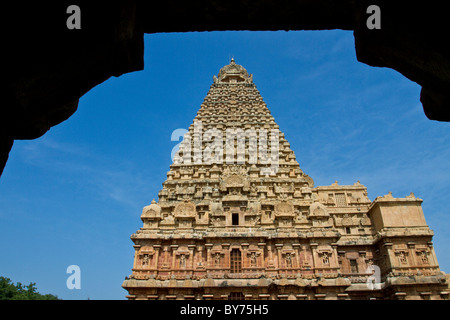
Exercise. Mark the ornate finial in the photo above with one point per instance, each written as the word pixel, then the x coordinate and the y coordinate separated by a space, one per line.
pixel 233 71
pixel 153 201
pixel 411 195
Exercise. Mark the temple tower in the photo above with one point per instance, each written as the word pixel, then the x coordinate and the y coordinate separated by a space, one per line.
pixel 238 219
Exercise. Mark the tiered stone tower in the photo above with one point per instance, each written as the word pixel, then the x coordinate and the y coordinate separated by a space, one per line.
pixel 238 219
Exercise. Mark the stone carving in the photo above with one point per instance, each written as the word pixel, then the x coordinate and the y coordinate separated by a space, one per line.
pixel 145 260
pixel 168 220
pixel 153 211
pixel 254 221
pixel 402 259
pixel 318 210
pixel 253 259
pixel 326 258
pixel 234 72
pixel 217 221
pixel 217 257
pixel 185 210
pixel 234 177
pixel 423 255
pixel 284 209
pixel 288 259
pixel 182 260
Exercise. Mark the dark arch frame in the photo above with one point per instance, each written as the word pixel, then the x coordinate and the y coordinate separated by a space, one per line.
pixel 48 67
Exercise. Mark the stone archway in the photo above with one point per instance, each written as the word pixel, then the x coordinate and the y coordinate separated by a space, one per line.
pixel 49 67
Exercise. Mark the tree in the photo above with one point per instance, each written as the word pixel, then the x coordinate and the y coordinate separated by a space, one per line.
pixel 11 291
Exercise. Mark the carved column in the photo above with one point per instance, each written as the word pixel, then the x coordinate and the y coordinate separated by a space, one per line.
pixel 335 257
pixel 314 254
pixel 262 263
pixel 390 261
pixel 174 248
pixel 296 247
pixel 165 263
pixel 412 254
pixel 432 255
pixel 191 248
pixel 303 260
pixel 279 246
pixel 270 262
pixel 208 254
pixel 225 264
pixel 136 250
pixel 244 254
pixel 200 255
pixel 157 248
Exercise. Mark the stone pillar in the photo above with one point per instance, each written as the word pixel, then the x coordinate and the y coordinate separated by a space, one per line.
pixel 157 248
pixel 191 248
pixel 165 262
pixel 315 257
pixel 208 254
pixel 174 248
pixel 261 263
pixel 270 262
pixel 304 256
pixel 335 258
pixel 432 255
pixel 244 255
pixel 136 249
pixel 200 255
pixel 391 259
pixel 412 254
pixel 226 257
pixel 279 246
pixel 296 247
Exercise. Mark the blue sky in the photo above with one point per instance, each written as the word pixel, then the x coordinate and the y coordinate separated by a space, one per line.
pixel 75 195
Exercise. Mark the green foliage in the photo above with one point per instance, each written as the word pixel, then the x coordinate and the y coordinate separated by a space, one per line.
pixel 11 291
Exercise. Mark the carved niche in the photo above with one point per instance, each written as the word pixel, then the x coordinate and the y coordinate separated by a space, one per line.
pixel 423 256
pixel 185 210
pixel 217 216
pixel 146 256
pixel 402 256
pixel 284 213
pixel 284 209
pixel 185 213
pixel 288 257
pixel 319 215
pixel 234 177
pixel 318 210
pixel 182 256
pixel 325 256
